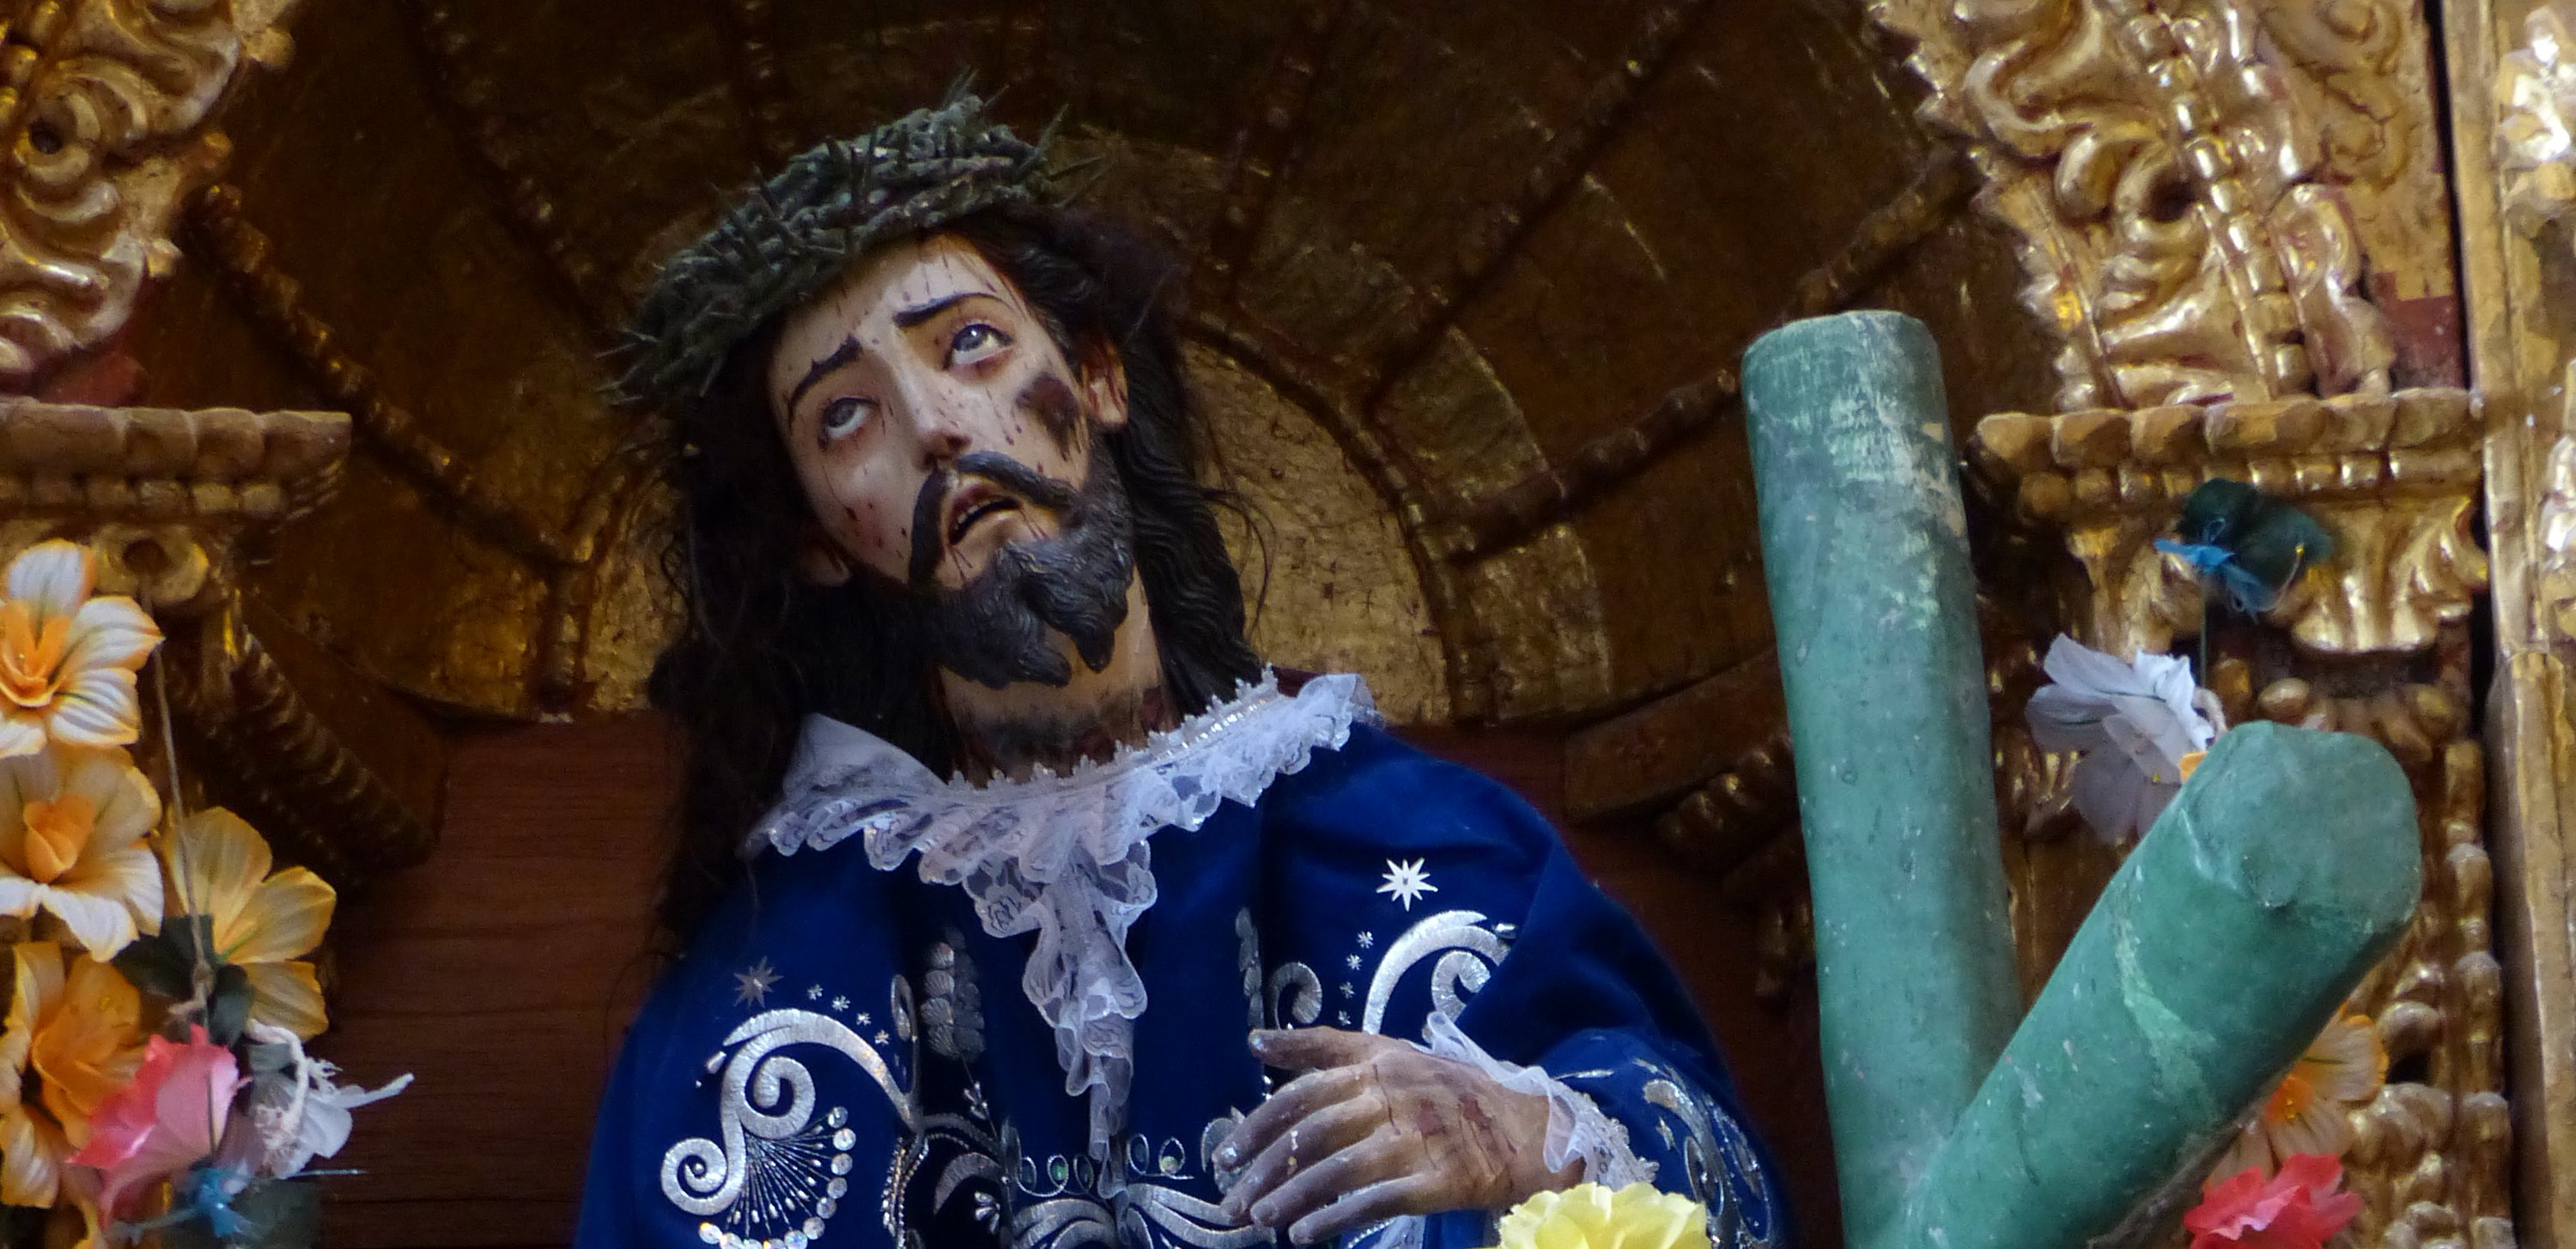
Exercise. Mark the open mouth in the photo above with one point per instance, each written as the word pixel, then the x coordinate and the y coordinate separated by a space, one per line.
pixel 977 504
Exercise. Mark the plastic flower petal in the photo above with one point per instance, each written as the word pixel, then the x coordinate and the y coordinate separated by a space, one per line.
pixel 72 1040
pixel 169 1119
pixel 264 924
pixel 2134 722
pixel 2297 1209
pixel 67 660
pixel 2309 1111
pixel 1591 1216
pixel 72 829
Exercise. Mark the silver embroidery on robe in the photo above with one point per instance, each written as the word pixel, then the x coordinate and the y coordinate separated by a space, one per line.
pixel 952 1015
pixel 1296 996
pixel 1718 1159
pixel 776 1171
pixel 1466 954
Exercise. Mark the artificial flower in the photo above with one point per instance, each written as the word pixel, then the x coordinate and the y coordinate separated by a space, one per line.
pixel 1591 1216
pixel 2135 723
pixel 75 1036
pixel 299 1112
pixel 2309 1112
pixel 67 660
pixel 2297 1209
pixel 263 924
pixel 72 827
pixel 169 1119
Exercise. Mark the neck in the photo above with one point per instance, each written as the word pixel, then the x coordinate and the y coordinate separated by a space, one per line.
pixel 1013 731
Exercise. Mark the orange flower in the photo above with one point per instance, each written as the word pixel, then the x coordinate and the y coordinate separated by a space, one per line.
pixel 264 924
pixel 72 827
pixel 2309 1112
pixel 67 660
pixel 77 1038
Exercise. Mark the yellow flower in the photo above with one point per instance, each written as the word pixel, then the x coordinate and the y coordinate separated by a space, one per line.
pixel 1589 1216
pixel 72 827
pixel 67 661
pixel 263 924
pixel 78 1038
pixel 2309 1112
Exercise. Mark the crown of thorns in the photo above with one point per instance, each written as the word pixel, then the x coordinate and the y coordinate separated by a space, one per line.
pixel 799 231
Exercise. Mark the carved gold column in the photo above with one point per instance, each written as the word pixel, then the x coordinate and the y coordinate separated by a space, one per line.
pixel 2513 98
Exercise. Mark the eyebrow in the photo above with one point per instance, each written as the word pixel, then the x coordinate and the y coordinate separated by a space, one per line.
pixel 911 317
pixel 843 354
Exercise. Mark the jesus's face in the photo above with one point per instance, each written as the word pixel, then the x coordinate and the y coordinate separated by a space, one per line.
pixel 923 356
pixel 947 445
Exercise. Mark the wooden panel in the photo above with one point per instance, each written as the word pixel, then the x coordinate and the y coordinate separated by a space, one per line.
pixel 502 973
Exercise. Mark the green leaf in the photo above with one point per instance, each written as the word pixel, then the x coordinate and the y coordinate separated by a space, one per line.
pixel 156 966
pixel 229 1013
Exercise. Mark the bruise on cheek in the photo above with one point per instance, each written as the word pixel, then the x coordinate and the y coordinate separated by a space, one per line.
pixel 1050 399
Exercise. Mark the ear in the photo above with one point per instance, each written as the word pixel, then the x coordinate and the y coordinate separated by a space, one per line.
pixel 1104 382
pixel 820 562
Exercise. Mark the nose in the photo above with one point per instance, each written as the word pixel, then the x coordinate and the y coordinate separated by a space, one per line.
pixel 942 433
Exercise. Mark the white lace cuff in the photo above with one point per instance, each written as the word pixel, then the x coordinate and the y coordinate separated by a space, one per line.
pixel 1576 1127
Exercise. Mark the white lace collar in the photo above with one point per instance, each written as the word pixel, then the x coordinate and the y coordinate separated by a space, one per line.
pixel 1064 856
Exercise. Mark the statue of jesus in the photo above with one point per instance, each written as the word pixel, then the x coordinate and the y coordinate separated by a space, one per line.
pixel 1017 903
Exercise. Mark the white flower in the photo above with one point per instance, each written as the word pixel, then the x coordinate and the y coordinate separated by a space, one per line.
pixel 2133 722
pixel 300 1114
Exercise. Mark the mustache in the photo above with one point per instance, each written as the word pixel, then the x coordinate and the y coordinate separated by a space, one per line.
pixel 928 537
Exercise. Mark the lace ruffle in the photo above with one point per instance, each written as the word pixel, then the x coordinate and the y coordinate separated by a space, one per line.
pixel 1576 1126
pixel 1063 856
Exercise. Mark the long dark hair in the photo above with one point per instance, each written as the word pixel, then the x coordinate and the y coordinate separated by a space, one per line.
pixel 761 647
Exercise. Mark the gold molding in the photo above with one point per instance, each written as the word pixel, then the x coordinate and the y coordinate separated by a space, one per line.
pixel 2394 478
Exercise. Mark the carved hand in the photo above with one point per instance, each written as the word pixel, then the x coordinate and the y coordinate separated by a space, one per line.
pixel 1375 1129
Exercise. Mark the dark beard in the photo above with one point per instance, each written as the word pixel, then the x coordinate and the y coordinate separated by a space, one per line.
pixel 994 629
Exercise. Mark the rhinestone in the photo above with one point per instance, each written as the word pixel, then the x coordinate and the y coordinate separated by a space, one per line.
pixel 837 1189
pixel 837 1118
pixel 844 1138
pixel 813 1228
pixel 710 1233
pixel 795 1240
pixel 827 1207
pixel 840 1164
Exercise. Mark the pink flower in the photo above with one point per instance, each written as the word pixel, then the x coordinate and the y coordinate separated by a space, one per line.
pixel 169 1119
pixel 2297 1209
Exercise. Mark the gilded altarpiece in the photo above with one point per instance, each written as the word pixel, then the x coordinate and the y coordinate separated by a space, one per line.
pixel 2304 243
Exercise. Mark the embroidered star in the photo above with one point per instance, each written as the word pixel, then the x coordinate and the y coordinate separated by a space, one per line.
pixel 1368 941
pixel 1407 882
pixel 1348 991
pixel 840 1003
pixel 752 985
pixel 881 1036
pixel 1344 1016
pixel 861 1018
pixel 1353 961
pixel 814 993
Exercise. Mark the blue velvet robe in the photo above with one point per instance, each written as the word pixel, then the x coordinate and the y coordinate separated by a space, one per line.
pixel 844 1058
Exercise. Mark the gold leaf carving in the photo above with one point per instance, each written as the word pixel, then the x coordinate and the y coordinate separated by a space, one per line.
pixel 2394 478
pixel 101 102
pixel 2158 167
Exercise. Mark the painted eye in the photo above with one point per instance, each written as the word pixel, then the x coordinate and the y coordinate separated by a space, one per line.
pixel 976 342
pixel 844 415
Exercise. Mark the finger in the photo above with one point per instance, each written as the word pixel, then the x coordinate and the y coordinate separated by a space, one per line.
pixel 1316 1137
pixel 1309 1049
pixel 1412 1193
pixel 1303 1096
pixel 1378 1156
